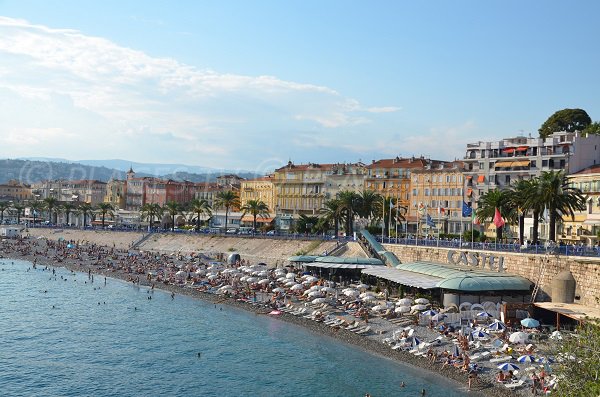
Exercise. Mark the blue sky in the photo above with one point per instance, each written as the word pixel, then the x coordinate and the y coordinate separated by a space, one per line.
pixel 251 84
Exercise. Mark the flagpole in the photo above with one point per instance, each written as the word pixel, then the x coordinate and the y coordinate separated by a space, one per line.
pixel 390 220
pixel 438 228
pixel 383 220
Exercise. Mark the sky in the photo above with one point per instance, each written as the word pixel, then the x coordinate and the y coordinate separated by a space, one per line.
pixel 249 85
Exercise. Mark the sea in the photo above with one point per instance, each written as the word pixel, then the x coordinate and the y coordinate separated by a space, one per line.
pixel 63 335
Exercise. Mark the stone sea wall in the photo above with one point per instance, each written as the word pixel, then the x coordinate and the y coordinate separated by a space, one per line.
pixel 586 271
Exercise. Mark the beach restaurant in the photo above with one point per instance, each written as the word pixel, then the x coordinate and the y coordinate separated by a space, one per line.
pixel 336 267
pixel 453 284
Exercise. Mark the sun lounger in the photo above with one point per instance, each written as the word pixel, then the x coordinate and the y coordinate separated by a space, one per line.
pixel 513 385
pixel 500 359
pixel 364 330
pixel 353 325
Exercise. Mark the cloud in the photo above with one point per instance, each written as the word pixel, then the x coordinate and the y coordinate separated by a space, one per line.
pixel 67 92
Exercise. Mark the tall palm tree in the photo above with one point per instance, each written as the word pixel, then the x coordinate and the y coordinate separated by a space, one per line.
pixel 4 205
pixel 351 204
pixel 519 199
pixel 199 207
pixel 50 203
pixel 307 224
pixel 487 204
pixel 256 208
pixel 85 209
pixel 18 207
pixel 369 206
pixel 67 208
pixel 332 212
pixel 174 209
pixel 36 207
pixel 150 211
pixel 559 198
pixel 227 199
pixel 105 209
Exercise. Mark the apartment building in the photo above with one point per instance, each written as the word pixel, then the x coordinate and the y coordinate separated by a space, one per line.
pixel 116 193
pixel 261 189
pixel 15 191
pixel 84 191
pixel 585 226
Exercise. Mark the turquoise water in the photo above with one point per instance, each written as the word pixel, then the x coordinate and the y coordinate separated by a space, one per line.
pixel 113 341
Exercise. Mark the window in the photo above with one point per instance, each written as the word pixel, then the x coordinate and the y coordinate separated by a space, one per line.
pixel 507 179
pixel 544 163
pixel 532 164
pixel 415 192
pixel 481 166
pixel 426 192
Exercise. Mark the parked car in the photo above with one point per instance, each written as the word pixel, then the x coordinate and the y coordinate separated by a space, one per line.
pixel 231 231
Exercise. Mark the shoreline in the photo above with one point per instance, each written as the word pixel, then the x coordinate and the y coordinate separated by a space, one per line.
pixel 481 388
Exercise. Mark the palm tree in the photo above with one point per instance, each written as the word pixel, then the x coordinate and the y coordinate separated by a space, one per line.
pixel 492 200
pixel 559 198
pixel 369 206
pixel 50 205
pixel 173 208
pixel 256 208
pixel 200 207
pixel 18 207
pixel 351 204
pixel 85 209
pixel 4 205
pixel 36 207
pixel 332 212
pixel 519 200
pixel 306 224
pixel 227 199
pixel 67 209
pixel 105 209
pixel 151 210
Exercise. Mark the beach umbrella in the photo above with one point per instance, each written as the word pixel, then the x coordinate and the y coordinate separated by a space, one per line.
pixel 319 300
pixel 281 280
pixel 351 293
pixel 264 281
pixel 484 314
pixel 315 294
pixel 278 289
pixel 438 317
pixel 518 337
pixel 497 326
pixel 508 367
pixel 310 279
pixel 530 322
pixel 263 273
pixel 297 287
pixel 328 290
pixel 290 275
pixel 181 274
pixel 429 313
pixel 365 294
pixel 363 286
pixel 405 302
pixel 421 301
pixel 402 309
pixel 418 307
pixel 369 298
pixel 291 284
pixel 527 358
pixel 213 277
pixel 480 335
pixel 378 308
pixel 251 280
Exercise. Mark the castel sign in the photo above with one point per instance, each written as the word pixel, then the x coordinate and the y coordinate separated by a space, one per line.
pixel 476 259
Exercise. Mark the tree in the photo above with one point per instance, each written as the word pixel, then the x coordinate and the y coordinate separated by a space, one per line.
pixel 569 120
pixel 487 204
pixel 85 209
pixel 227 199
pixel 519 200
pixel 200 207
pixel 4 205
pixel 150 211
pixel 36 207
pixel 255 208
pixel 18 207
pixel 105 209
pixel 332 212
pixel 67 209
pixel 559 198
pixel 369 204
pixel 173 208
pixel 50 203
pixel 306 224
pixel 579 371
pixel 350 202
pixel 592 129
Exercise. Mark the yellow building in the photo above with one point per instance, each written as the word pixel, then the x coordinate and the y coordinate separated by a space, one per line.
pixel 585 227
pixel 115 193
pixel 15 191
pixel 438 191
pixel 260 189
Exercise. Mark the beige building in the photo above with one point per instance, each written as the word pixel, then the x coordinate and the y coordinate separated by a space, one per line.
pixel 15 191
pixel 586 225
pixel 84 190
pixel 345 177
pixel 438 192
pixel 116 193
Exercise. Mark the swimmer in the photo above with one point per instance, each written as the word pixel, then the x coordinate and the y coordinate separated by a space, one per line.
pixel 199 354
pixel 402 384
pixel 422 392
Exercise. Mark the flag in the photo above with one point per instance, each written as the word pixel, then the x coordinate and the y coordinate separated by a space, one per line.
pixel 466 210
pixel 441 211
pixel 391 204
pixel 474 218
pixel 429 221
pixel 421 209
pixel 546 215
pixel 498 221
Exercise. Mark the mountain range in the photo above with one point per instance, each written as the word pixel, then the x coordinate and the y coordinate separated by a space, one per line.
pixel 35 169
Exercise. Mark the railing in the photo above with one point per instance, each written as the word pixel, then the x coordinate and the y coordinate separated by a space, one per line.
pixel 566 250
